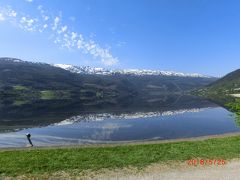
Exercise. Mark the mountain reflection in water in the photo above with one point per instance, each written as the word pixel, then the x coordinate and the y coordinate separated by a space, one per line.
pixel 69 122
pixel 44 113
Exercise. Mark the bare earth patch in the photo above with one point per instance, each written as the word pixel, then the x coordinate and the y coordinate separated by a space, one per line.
pixel 180 171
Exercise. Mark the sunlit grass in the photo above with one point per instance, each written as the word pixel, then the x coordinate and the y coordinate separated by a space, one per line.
pixel 234 106
pixel 48 95
pixel 37 161
pixel 19 102
pixel 20 88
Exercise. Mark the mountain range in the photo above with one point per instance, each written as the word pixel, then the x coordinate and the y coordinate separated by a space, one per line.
pixel 22 81
pixel 35 90
pixel 136 72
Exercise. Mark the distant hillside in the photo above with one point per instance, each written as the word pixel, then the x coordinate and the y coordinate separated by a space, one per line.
pixel 23 81
pixel 224 89
pixel 229 83
pixel 226 85
pixel 35 75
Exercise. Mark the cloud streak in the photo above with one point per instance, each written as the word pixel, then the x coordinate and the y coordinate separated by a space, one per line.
pixel 61 33
pixel 29 1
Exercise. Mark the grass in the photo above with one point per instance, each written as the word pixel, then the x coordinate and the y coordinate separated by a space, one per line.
pixel 234 106
pixel 230 103
pixel 48 95
pixel 37 161
pixel 20 88
pixel 59 94
pixel 19 102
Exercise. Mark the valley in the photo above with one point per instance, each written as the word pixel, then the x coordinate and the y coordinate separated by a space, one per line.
pixel 119 89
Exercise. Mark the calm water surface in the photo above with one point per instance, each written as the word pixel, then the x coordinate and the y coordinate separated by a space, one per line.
pixel 115 128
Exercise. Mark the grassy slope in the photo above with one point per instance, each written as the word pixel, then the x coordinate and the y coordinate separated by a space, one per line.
pixel 234 106
pixel 37 161
pixel 220 90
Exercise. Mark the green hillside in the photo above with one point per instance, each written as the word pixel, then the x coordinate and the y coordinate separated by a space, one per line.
pixel 24 81
pixel 229 84
pixel 225 92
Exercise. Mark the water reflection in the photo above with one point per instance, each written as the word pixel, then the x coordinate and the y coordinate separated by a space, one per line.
pixel 43 113
pixel 207 121
pixel 69 122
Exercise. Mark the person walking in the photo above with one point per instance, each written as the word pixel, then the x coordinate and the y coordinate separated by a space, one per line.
pixel 29 139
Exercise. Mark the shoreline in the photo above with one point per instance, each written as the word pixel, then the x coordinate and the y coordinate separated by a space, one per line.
pixel 123 143
pixel 76 161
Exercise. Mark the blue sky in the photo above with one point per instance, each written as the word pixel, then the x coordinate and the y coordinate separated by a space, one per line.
pixel 200 36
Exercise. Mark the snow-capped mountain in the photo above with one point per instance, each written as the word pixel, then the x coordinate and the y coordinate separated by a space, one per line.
pixel 11 59
pixel 137 72
pixel 16 60
pixel 103 71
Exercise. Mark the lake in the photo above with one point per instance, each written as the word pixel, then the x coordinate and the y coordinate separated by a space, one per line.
pixel 51 123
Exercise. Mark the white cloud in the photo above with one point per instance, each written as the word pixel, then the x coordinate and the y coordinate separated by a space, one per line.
pixel 2 17
pixel 60 33
pixel 74 36
pixel 109 61
pixel 42 12
pixel 80 44
pixel 40 7
pixel 5 13
pixel 62 29
pixel 45 18
pixel 28 24
pixel 56 22
pixel 29 0
pixel 12 13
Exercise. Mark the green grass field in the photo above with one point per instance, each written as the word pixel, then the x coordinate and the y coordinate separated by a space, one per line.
pixel 77 159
